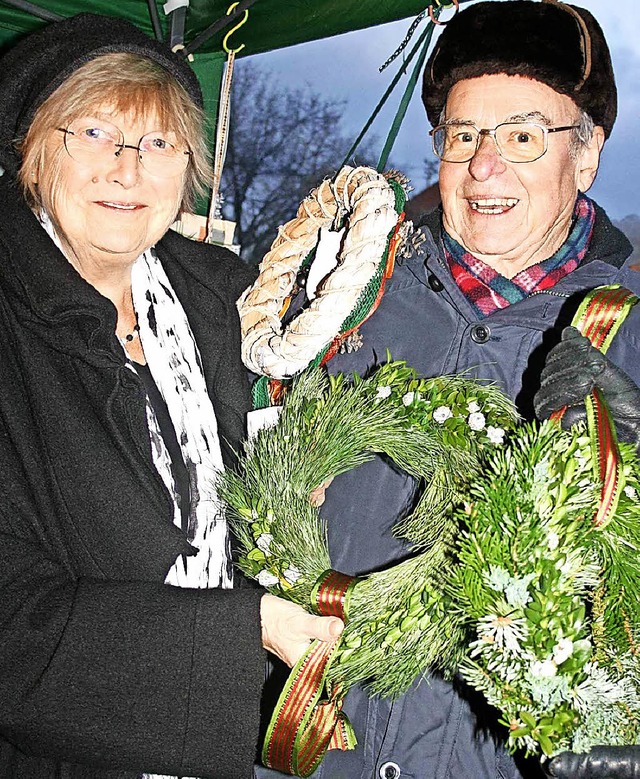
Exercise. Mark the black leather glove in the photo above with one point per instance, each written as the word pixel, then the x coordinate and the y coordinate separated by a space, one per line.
pixel 600 763
pixel 571 371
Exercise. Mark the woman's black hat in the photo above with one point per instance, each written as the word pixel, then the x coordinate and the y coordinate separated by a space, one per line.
pixel 33 69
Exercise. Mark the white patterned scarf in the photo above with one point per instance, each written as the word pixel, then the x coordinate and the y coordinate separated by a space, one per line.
pixel 175 365
pixel 174 361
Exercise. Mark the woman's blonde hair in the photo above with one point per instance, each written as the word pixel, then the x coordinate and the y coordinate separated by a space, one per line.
pixel 129 84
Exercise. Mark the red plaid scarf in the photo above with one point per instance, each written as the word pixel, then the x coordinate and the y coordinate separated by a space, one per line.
pixel 488 291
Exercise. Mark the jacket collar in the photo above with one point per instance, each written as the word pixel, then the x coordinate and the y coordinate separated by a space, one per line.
pixel 37 270
pixel 608 250
pixel 43 288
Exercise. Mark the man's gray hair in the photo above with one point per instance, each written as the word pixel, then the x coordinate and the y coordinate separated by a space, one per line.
pixel 582 135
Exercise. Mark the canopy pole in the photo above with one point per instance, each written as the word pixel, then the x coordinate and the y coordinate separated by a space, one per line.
pixel 178 23
pixel 34 10
pixel 155 19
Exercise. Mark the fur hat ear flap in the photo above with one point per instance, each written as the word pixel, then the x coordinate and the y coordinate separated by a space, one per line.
pixel 558 44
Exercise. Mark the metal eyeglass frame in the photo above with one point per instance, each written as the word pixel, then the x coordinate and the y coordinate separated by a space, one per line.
pixel 122 146
pixel 492 133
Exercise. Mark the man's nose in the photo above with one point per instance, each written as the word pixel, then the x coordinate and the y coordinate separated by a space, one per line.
pixel 486 162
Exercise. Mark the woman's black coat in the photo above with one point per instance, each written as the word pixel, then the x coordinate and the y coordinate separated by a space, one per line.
pixel 104 670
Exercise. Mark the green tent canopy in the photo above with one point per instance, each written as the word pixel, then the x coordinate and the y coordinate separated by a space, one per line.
pixel 272 24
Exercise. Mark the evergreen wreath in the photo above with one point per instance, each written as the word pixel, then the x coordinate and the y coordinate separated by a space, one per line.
pixel 512 585
pixel 548 599
pixel 435 429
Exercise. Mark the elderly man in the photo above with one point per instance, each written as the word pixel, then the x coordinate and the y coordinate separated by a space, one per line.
pixel 521 96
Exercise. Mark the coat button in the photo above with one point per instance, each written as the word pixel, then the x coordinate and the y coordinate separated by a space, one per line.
pixel 480 334
pixel 389 771
pixel 435 283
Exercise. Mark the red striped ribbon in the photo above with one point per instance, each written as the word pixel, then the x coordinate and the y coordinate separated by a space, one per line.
pixel 602 312
pixel 305 725
pixel 332 593
pixel 599 318
pixel 607 456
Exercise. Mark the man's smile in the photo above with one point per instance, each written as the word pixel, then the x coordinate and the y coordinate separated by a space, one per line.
pixel 493 205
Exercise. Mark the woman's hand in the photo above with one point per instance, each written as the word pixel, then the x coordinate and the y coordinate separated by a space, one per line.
pixel 287 629
pixel 317 496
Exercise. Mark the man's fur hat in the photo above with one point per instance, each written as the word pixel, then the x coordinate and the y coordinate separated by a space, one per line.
pixel 558 44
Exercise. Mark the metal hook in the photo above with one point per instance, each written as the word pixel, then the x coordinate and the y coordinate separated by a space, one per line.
pixel 225 45
pixel 440 4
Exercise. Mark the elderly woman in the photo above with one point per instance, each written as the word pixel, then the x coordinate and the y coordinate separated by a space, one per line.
pixel 121 396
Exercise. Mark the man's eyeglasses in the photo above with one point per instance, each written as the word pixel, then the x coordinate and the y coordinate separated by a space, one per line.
pixel 90 141
pixel 515 141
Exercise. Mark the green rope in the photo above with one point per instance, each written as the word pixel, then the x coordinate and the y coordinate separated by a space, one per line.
pixel 260 393
pixel 406 98
pixel 424 38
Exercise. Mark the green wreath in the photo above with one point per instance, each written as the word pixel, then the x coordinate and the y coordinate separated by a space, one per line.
pixel 437 430
pixel 513 586
pixel 547 599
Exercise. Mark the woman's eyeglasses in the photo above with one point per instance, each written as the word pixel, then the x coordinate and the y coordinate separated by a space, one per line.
pixel 90 141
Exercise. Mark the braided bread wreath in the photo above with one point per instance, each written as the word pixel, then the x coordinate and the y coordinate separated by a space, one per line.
pixel 372 204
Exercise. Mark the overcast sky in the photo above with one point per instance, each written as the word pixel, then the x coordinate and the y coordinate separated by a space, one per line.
pixel 346 67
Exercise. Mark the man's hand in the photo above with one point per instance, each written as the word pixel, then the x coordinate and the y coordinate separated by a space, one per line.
pixel 287 629
pixel 600 763
pixel 573 368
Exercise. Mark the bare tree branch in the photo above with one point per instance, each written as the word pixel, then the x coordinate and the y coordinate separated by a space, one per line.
pixel 282 143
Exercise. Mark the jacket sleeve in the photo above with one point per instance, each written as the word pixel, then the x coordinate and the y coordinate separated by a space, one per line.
pixel 130 675
pixel 625 347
